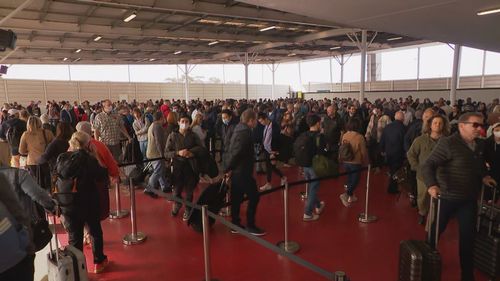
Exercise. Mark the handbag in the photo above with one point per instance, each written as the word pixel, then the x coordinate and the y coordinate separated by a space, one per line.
pixel 402 177
pixel 324 166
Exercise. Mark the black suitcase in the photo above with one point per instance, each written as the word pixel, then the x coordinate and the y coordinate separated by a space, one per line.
pixel 214 197
pixel 486 244
pixel 418 261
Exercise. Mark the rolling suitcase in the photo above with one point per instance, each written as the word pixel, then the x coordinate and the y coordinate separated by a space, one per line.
pixel 66 264
pixel 214 197
pixel 418 260
pixel 486 244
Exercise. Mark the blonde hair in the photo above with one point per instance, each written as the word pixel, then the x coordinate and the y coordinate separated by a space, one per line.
pixel 195 121
pixel 34 124
pixel 79 140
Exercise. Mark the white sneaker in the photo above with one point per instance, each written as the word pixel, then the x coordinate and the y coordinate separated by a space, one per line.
pixel 283 180
pixel 266 186
pixel 352 199
pixel 344 199
pixel 313 217
pixel 321 208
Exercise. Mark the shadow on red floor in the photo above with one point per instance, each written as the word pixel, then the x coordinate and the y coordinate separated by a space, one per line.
pixel 337 241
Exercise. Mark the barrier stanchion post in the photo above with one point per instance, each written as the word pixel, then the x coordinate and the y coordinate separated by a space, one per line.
pixel 340 276
pixel 288 246
pixel 226 212
pixel 206 244
pixel 118 213
pixel 304 194
pixel 364 217
pixel 135 237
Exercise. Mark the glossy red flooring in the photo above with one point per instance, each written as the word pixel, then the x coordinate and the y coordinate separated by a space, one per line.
pixel 366 252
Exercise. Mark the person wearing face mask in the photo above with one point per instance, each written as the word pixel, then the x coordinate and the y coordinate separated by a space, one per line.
pixel 108 128
pixel 180 148
pixel 492 154
pixel 229 122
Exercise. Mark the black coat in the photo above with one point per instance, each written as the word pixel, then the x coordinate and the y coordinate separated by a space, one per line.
pixel 275 137
pixel 414 131
pixel 241 152
pixel 392 141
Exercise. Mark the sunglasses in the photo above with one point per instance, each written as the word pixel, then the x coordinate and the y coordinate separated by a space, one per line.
pixel 475 125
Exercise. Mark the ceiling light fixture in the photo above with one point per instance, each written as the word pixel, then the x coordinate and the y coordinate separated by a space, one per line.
pixel 213 43
pixel 152 59
pixel 97 38
pixel 177 52
pixel 65 59
pixel 130 17
pixel 489 12
pixel 335 48
pixel 292 54
pixel 395 38
pixel 78 50
pixel 77 59
pixel 268 28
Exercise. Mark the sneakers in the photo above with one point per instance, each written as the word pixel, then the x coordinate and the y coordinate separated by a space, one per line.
pixel 283 180
pixel 150 194
pixel 186 215
pixel 255 231
pixel 175 210
pixel 321 207
pixel 313 217
pixel 344 198
pixel 352 199
pixel 266 186
pixel 234 231
pixel 99 267
pixel 345 187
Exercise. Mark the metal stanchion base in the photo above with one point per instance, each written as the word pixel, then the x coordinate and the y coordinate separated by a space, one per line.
pixel 211 279
pixel 290 247
pixel 366 219
pixel 131 239
pixel 118 214
pixel 303 195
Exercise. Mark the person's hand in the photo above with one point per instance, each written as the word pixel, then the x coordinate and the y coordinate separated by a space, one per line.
pixel 489 181
pixel 188 154
pixel 182 153
pixel 434 191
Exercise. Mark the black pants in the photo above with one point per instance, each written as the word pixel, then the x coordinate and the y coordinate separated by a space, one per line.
pixel 465 212
pixel 74 225
pixel 394 162
pixel 270 168
pixel 242 185
pixel 22 271
pixel 374 153
pixel 41 173
pixel 185 179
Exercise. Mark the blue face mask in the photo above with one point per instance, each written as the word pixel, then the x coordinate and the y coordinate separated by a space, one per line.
pixel 225 121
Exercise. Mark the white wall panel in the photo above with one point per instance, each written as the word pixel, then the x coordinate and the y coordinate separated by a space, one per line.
pixel 432 84
pixel 469 82
pixel 148 91
pixel 24 91
pixel 94 91
pixel 62 90
pixel 120 91
pixel 492 81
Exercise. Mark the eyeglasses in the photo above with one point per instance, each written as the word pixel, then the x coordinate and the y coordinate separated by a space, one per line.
pixel 474 124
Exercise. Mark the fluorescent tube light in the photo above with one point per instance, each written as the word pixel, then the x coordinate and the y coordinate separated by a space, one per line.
pixel 489 12
pixel 395 38
pixel 177 52
pixel 130 17
pixel 268 28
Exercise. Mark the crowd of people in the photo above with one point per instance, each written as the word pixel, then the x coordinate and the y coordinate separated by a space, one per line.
pixel 451 149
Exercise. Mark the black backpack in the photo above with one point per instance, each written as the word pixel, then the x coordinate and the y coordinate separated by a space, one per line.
pixel 13 135
pixel 303 149
pixel 67 169
pixel 345 152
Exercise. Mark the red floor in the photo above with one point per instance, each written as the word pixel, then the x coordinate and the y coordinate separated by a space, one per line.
pixel 366 252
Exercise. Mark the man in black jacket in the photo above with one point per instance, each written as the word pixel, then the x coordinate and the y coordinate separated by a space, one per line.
pixel 229 122
pixel 391 144
pixel 455 170
pixel 240 168
pixel 332 128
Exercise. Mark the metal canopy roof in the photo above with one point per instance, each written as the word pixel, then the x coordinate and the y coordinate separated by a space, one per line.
pixel 208 31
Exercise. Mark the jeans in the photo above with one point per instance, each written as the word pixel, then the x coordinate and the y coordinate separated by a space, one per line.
pixel 465 212
pixel 74 226
pixel 22 271
pixel 158 176
pixel 241 185
pixel 312 197
pixel 353 178
pixel 143 146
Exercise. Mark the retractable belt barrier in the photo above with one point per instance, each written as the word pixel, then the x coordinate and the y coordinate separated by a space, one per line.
pixel 266 244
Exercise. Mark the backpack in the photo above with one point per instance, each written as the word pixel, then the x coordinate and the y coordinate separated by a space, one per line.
pixel 322 165
pixel 13 135
pixel 14 239
pixel 303 150
pixel 65 189
pixel 345 152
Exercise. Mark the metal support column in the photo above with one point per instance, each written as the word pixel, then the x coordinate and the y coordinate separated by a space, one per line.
pixel 418 68
pixel 273 69
pixel 455 73
pixel 186 82
pixel 342 72
pixel 484 69
pixel 363 66
pixel 331 75
pixel 246 62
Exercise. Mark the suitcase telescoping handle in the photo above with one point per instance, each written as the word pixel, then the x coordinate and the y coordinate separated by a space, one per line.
pixel 56 241
pixel 434 212
pixel 491 213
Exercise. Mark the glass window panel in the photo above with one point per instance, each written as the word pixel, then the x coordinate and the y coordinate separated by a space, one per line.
pixel 234 74
pixel 471 62
pixel 436 61
pixel 398 64
pixel 116 73
pixel 492 63
pixel 37 72
pixel 153 73
pixel 207 73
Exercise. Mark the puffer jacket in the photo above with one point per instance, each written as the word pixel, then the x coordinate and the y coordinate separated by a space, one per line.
pixel 455 168
pixel 241 157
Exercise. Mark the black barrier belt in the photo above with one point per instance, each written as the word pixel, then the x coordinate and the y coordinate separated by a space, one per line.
pixel 162 158
pixel 295 183
pixel 264 243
